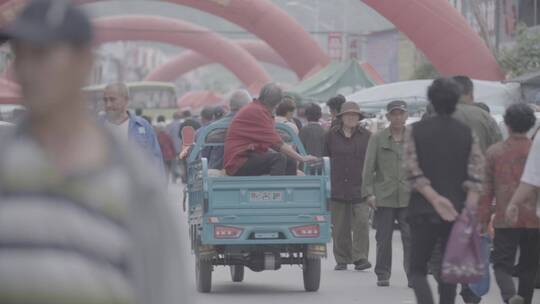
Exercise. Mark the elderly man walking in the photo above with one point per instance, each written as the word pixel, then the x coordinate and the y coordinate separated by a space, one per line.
pixel 129 126
pixel 386 189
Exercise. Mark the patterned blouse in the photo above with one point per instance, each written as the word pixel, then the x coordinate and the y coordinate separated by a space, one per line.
pixel 505 163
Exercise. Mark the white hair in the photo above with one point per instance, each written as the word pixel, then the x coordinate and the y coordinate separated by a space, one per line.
pixel 238 99
pixel 121 87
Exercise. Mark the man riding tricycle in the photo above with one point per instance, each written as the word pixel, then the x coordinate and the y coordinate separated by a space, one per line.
pixel 260 221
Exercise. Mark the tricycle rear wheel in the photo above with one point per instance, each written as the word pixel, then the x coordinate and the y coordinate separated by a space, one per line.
pixel 203 274
pixel 237 273
pixel 312 274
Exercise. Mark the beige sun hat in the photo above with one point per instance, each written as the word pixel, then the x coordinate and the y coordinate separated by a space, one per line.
pixel 351 107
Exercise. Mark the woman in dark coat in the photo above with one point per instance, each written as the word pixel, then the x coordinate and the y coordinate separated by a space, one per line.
pixel 346 145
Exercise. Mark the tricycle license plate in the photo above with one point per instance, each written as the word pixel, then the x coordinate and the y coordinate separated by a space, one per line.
pixel 267 235
pixel 265 196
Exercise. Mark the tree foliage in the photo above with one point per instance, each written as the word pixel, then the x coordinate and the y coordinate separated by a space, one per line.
pixel 524 56
pixel 425 71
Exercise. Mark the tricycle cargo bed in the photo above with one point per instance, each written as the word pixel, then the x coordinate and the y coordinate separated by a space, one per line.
pixel 264 210
pixel 276 194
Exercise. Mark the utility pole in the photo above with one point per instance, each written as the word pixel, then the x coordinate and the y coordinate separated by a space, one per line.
pixel 481 21
pixel 498 12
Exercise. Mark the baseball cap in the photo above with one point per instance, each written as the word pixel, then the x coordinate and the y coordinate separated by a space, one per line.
pixel 396 105
pixel 48 22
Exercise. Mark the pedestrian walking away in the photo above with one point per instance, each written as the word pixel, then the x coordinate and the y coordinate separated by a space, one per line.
pixel 166 145
pixel 346 145
pixel 479 120
pixel 444 165
pixel 505 163
pixel 476 117
pixel 386 189
pixel 173 130
pixel 285 113
pixel 312 134
pixel 334 104
pixel 190 121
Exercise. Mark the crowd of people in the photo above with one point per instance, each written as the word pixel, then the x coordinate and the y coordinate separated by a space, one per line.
pixel 420 177
pixel 104 204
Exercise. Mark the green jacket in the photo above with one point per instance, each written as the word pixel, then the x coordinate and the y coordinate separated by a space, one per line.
pixel 384 174
pixel 482 124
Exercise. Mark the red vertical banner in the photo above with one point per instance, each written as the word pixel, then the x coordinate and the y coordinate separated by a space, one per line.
pixel 335 45
pixel 354 45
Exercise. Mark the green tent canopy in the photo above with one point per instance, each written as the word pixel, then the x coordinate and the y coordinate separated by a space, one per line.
pixel 336 78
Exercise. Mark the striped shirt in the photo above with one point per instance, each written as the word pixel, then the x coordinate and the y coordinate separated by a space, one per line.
pixel 101 236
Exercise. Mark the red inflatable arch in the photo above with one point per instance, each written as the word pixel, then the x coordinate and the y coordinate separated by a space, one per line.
pixel 190 60
pixel 433 25
pixel 184 34
pixel 444 36
pixel 265 20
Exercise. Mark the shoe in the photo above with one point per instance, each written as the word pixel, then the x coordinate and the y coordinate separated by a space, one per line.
pixel 340 267
pixel 516 300
pixel 362 264
pixel 410 285
pixel 383 283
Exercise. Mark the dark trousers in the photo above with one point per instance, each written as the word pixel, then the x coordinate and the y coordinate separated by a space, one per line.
pixel 269 163
pixel 506 243
pixel 424 238
pixel 384 225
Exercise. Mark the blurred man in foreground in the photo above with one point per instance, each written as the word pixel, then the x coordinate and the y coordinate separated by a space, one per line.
pixel 80 221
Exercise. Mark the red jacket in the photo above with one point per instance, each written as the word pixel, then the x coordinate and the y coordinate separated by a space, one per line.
pixel 252 129
pixel 166 145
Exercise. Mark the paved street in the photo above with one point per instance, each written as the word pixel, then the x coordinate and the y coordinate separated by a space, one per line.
pixel 285 286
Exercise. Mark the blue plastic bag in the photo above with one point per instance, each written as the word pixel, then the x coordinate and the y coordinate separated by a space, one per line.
pixel 481 288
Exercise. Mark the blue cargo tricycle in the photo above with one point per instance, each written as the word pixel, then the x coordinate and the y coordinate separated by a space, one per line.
pixel 260 222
